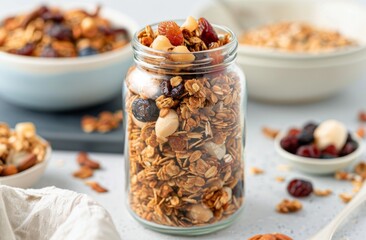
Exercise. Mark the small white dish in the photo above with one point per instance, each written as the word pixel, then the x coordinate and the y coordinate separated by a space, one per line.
pixel 29 177
pixel 281 77
pixel 314 165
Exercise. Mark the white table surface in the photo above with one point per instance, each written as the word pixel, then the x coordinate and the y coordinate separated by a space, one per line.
pixel 262 192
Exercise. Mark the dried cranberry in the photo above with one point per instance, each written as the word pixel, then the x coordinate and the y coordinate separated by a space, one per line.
pixel 60 32
pixel 27 50
pixel 348 148
pixel 208 33
pixel 294 131
pixel 330 152
pixel 310 151
pixel 299 188
pixel 172 31
pixel 169 91
pixel 52 16
pixel 145 110
pixel 289 143
pixel 49 51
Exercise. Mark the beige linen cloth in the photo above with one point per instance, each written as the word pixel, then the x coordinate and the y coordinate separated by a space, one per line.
pixel 52 213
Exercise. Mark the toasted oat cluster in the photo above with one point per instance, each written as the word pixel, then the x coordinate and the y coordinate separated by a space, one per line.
pixel 20 149
pixel 295 37
pixel 289 206
pixel 185 143
pixel 191 36
pixel 273 236
pixel 52 32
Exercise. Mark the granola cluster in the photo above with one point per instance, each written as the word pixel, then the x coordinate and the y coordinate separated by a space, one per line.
pixel 104 123
pixel 52 32
pixel 20 149
pixel 185 142
pixel 295 37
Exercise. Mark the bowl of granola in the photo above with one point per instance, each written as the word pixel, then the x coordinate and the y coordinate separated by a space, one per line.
pixel 296 51
pixel 63 58
pixel 23 155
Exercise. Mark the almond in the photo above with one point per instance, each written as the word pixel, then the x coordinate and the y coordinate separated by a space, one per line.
pixel 9 170
pixel 96 186
pixel 83 172
pixel 29 161
pixel 84 160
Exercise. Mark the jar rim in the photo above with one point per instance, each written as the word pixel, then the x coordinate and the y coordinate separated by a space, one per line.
pixel 224 29
pixel 204 60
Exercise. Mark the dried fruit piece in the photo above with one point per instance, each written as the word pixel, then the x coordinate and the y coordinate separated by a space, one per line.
pixel 329 152
pixel 145 110
pixel 84 160
pixel 49 51
pixel 300 188
pixel 60 32
pixel 83 172
pixel 168 90
pixel 96 186
pixel 310 151
pixel 290 143
pixel 208 33
pixel 172 31
pixel 27 50
pixel 350 147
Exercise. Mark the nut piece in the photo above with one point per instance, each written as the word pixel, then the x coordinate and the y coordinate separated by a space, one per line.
pixel 330 132
pixel 161 43
pixel 27 162
pixel 166 126
pixel 322 193
pixel 84 160
pixel 270 133
pixel 215 150
pixel 89 27
pixel 288 206
pixel 83 172
pixel 26 129
pixel 256 171
pixel 200 213
pixel 182 54
pixel 190 24
pixel 346 197
pixel 96 186
pixel 273 236
pixel 9 170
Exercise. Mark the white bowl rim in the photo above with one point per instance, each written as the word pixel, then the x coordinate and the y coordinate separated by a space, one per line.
pixel 317 161
pixel 130 24
pixel 278 54
pixel 28 171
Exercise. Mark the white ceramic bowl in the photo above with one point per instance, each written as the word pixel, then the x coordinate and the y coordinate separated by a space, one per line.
pixel 314 165
pixel 66 83
pixel 281 77
pixel 29 177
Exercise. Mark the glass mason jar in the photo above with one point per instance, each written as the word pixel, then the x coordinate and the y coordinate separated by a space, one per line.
pixel 184 138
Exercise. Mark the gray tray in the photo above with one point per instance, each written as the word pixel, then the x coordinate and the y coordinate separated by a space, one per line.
pixel 63 130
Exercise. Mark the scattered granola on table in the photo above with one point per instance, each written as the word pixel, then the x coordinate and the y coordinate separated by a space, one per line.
pixel 20 149
pixel 270 132
pixel 322 192
pixel 273 236
pixel 105 122
pixel 55 33
pixel 256 171
pixel 295 37
pixel 288 206
pixel 185 129
pixel 96 186
pixel 346 197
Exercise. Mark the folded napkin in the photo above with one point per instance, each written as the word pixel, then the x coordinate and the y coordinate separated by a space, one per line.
pixel 52 213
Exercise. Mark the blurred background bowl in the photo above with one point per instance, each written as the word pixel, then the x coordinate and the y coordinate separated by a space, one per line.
pixel 285 77
pixel 60 84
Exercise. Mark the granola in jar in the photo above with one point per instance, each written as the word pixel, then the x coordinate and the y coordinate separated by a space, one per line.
pixel 184 105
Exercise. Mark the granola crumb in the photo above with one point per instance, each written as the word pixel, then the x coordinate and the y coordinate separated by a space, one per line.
pixel 357 186
pixel 104 123
pixel 283 168
pixel 272 236
pixel 96 186
pixel 360 169
pixel 270 132
pixel 322 192
pixel 362 116
pixel 361 132
pixel 280 179
pixel 83 172
pixel 288 206
pixel 256 171
pixel 346 197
